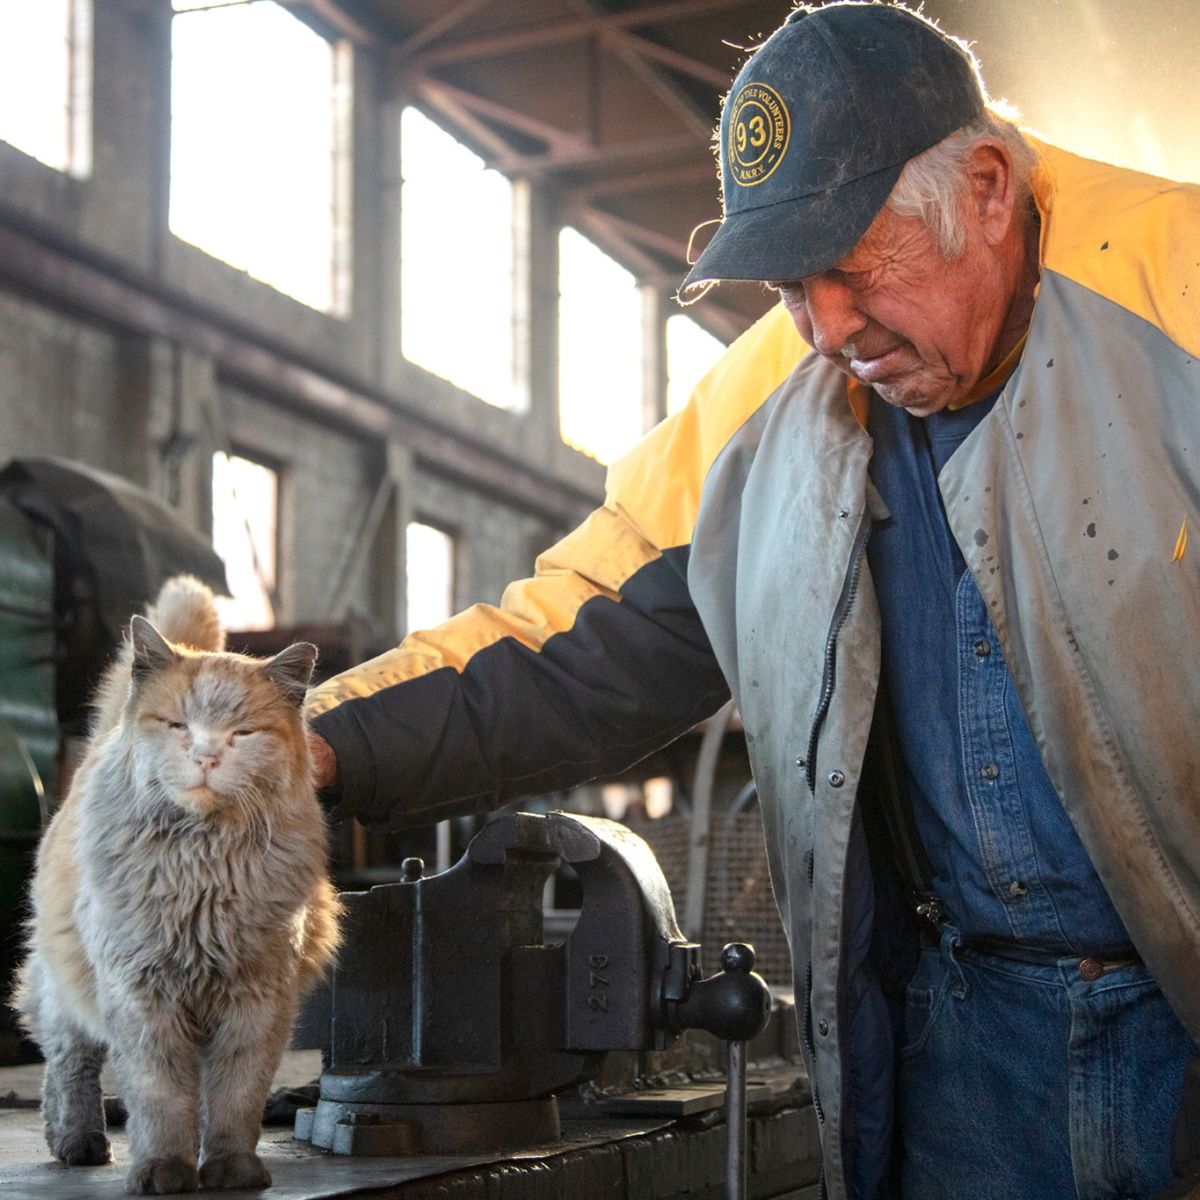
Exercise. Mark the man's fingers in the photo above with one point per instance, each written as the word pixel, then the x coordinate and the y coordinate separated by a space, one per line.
pixel 324 761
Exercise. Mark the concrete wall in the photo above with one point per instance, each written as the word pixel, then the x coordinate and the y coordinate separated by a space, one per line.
pixel 60 378
pixel 127 349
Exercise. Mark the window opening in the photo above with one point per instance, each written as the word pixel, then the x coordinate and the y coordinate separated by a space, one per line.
pixel 429 559
pixel 429 569
pixel 691 352
pixel 46 81
pixel 245 525
pixel 600 350
pixel 456 269
pixel 260 110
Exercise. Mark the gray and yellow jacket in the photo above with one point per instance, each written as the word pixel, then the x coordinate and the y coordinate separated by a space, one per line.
pixel 729 558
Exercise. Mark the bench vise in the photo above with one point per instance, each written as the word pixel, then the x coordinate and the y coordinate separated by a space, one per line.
pixel 454 1023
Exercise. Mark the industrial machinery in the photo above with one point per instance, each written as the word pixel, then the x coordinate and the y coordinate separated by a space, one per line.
pixel 80 550
pixel 455 1022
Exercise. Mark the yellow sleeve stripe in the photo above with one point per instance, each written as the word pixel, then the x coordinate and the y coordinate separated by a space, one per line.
pixel 1132 238
pixel 593 560
pixel 658 484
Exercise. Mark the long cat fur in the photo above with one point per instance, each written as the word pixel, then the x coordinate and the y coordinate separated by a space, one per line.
pixel 176 926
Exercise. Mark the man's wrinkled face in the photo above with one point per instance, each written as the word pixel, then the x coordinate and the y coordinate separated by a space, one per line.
pixel 898 316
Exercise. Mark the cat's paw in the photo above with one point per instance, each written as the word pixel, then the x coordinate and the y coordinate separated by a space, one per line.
pixel 161 1177
pixel 239 1169
pixel 82 1149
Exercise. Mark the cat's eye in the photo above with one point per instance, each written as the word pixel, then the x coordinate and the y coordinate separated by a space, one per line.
pixel 243 732
pixel 171 724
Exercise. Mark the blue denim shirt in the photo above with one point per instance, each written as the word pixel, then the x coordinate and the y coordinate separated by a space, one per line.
pixel 1007 861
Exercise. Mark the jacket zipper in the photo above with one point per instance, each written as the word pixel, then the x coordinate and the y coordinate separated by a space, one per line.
pixel 808 1040
pixel 840 613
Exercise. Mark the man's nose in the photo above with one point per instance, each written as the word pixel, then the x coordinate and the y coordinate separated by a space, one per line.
pixel 833 314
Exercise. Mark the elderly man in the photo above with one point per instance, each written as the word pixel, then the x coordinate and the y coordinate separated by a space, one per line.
pixel 940 562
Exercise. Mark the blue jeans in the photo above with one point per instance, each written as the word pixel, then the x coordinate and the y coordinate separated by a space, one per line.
pixel 1023 1080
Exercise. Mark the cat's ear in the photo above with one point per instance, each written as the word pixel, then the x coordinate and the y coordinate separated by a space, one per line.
pixel 291 670
pixel 150 649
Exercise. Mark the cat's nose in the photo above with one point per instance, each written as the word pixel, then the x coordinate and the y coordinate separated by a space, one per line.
pixel 206 762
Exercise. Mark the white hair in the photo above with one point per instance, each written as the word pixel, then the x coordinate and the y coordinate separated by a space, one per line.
pixel 933 184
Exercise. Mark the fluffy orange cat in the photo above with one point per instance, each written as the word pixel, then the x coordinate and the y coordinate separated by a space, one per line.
pixel 181 903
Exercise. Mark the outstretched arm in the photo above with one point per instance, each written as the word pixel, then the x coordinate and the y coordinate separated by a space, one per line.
pixel 585 668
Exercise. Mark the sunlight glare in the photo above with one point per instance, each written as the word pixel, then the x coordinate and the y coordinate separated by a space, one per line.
pixel 429 569
pixel 252 145
pixel 691 351
pixel 600 350
pixel 35 79
pixel 245 508
pixel 456 263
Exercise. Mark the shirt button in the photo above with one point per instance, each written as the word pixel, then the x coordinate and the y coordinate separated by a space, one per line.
pixel 1018 889
pixel 836 778
pixel 982 647
pixel 822 1027
pixel 990 771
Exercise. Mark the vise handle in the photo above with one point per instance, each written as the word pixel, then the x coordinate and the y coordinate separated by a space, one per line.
pixel 735 1006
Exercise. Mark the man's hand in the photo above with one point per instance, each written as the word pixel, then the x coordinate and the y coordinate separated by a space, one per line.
pixel 324 762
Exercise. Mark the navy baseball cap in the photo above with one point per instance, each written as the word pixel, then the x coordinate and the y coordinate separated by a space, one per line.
pixel 817 128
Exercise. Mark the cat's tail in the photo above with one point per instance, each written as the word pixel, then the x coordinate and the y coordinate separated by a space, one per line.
pixel 185 612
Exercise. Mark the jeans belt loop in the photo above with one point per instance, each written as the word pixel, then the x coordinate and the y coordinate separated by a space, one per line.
pixel 951 942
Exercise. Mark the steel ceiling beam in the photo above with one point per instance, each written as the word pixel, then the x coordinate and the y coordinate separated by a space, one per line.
pixel 450 19
pixel 627 48
pixel 649 180
pixel 684 64
pixel 464 120
pixel 349 19
pixel 632 232
pixel 492 110
pixel 632 52
pixel 491 45
pixel 608 234
pixel 534 165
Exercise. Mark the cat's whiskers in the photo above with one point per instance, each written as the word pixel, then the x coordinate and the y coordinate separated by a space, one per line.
pixel 248 801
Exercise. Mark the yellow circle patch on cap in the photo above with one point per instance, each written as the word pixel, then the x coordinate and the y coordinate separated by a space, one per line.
pixel 759 128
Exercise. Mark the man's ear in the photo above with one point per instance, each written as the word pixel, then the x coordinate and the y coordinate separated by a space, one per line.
pixel 992 180
pixel 150 649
